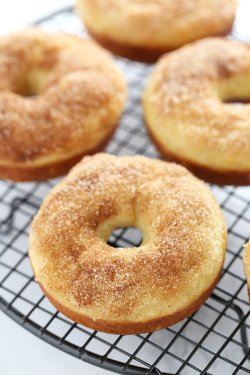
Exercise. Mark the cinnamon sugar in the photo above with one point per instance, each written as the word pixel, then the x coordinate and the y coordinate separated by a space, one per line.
pixel 184 106
pixel 181 222
pixel 80 95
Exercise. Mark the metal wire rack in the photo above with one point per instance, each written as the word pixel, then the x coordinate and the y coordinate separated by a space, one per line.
pixel 214 340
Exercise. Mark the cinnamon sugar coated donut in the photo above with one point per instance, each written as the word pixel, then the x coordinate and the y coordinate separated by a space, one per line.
pixel 246 261
pixel 187 112
pixel 145 29
pixel 80 96
pixel 128 290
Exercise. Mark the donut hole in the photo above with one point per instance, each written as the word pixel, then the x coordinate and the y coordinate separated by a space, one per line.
pixel 32 83
pixel 124 237
pixel 235 91
pixel 237 103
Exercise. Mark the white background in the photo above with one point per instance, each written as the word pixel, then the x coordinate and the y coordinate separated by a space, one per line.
pixel 15 14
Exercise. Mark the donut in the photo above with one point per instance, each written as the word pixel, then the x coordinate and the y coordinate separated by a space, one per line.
pixel 60 98
pixel 144 30
pixel 134 289
pixel 188 112
pixel 246 262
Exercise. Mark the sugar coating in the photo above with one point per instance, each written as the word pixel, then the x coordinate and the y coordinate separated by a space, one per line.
pixel 164 24
pixel 183 246
pixel 186 109
pixel 80 96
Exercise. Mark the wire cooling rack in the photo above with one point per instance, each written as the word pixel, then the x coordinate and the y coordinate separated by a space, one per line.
pixel 214 340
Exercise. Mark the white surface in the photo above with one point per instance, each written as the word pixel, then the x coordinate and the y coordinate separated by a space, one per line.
pixel 15 14
pixel 24 354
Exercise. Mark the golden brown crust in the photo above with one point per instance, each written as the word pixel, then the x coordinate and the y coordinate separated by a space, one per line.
pixel 215 177
pixel 131 328
pixel 187 112
pixel 133 289
pixel 80 96
pixel 120 26
pixel 143 54
pixel 40 173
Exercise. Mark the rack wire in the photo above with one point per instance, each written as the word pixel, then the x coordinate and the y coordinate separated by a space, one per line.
pixel 214 340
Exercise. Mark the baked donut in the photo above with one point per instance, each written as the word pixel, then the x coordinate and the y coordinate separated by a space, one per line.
pixel 128 290
pixel 80 95
pixel 145 29
pixel 188 114
pixel 246 261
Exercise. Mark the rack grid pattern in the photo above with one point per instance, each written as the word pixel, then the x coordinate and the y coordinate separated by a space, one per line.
pixel 214 340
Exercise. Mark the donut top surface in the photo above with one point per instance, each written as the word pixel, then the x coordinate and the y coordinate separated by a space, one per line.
pixel 77 85
pixel 186 103
pixel 157 23
pixel 183 239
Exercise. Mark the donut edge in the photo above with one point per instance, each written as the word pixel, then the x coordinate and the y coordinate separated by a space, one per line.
pixel 210 175
pixel 53 170
pixel 142 54
pixel 246 263
pixel 130 328
pixel 125 328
